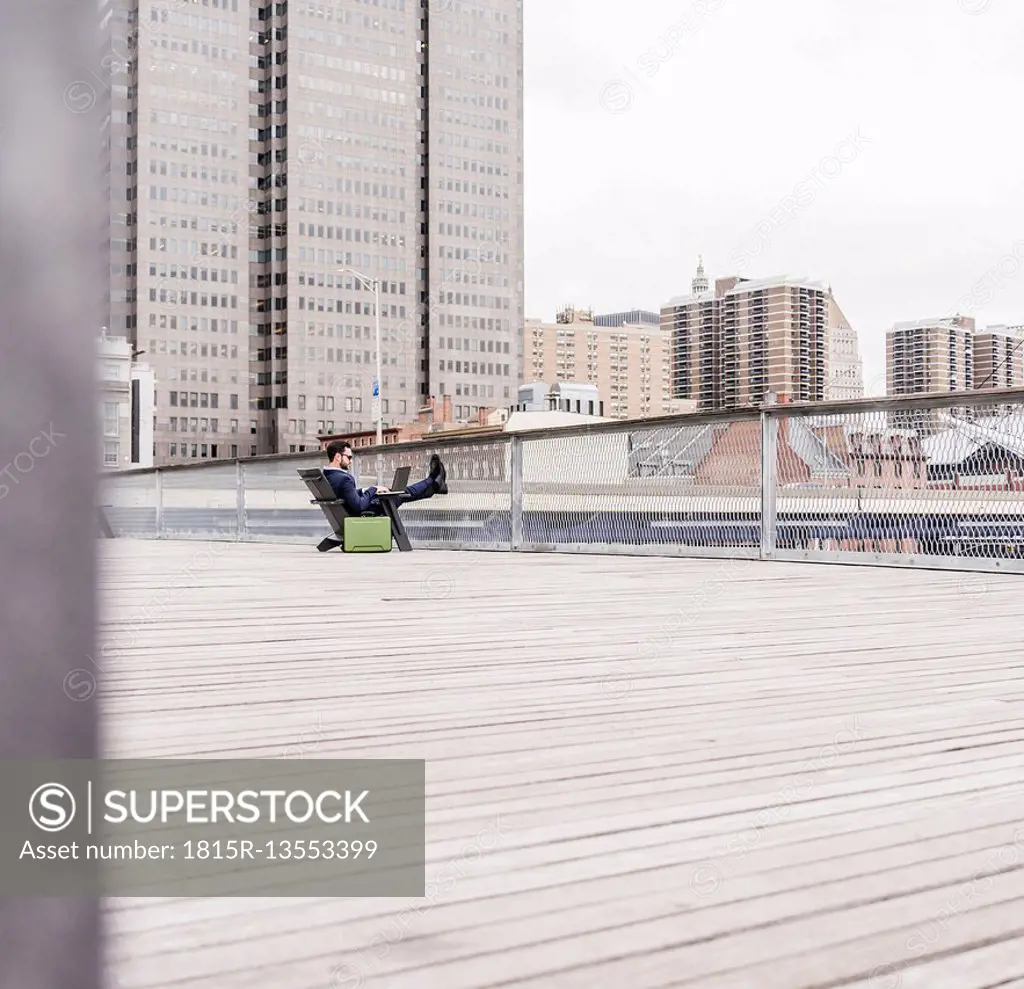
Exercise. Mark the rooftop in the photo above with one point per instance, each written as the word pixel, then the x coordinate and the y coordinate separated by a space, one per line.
pixel 1002 329
pixel 636 327
pixel 928 323
pixel 711 773
pixel 752 285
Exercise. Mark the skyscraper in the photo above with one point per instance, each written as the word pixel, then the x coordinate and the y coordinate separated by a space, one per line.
pixel 845 367
pixel 734 343
pixel 256 149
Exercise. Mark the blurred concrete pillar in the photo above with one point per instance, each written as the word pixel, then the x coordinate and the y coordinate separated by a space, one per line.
pixel 50 236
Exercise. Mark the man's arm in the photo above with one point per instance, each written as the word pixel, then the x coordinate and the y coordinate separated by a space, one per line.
pixel 356 501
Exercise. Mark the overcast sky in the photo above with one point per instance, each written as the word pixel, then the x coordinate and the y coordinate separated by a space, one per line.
pixel 661 129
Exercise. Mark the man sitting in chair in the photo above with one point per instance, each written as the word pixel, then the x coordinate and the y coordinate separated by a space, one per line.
pixel 359 502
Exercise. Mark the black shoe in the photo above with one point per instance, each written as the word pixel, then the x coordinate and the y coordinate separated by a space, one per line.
pixel 439 475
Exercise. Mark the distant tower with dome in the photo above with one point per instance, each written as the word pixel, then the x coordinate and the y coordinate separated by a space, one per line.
pixel 700 280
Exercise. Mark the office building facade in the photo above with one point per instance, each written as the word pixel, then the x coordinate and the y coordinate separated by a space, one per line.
pixel 845 366
pixel 736 342
pixel 125 391
pixel 256 150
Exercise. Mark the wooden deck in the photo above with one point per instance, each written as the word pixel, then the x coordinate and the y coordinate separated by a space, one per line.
pixel 641 772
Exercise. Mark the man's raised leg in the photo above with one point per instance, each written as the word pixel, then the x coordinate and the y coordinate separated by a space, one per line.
pixel 434 483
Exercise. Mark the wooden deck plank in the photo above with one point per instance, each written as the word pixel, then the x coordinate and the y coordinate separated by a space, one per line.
pixel 993 966
pixel 817 886
pixel 631 720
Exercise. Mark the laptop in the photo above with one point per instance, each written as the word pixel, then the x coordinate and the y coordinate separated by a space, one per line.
pixel 401 479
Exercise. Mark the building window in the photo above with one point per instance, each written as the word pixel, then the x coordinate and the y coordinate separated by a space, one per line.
pixel 110 453
pixel 111 419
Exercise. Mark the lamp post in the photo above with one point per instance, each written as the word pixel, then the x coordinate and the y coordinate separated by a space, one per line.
pixel 374 283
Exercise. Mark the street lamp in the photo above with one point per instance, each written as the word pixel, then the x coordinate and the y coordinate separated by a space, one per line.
pixel 374 284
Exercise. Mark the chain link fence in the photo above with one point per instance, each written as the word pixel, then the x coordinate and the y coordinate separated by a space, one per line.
pixel 938 482
pixel 263 499
pixel 684 488
pixel 476 511
pixel 903 485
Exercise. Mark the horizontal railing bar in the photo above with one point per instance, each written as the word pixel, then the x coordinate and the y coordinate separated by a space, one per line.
pixel 435 440
pixel 911 403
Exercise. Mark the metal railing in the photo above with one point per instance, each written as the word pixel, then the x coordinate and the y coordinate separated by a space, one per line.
pixel 935 482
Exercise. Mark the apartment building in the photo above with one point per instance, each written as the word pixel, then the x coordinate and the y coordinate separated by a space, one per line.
pixel 257 149
pixel 629 364
pixel 734 343
pixel 928 356
pixel 999 357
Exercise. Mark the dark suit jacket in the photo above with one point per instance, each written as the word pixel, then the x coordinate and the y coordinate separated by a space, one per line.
pixel 344 484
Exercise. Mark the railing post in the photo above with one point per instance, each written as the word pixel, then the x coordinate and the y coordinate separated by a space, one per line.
pixel 516 492
pixel 158 481
pixel 240 527
pixel 769 478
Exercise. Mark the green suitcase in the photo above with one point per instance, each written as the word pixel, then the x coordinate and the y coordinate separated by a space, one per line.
pixel 370 535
